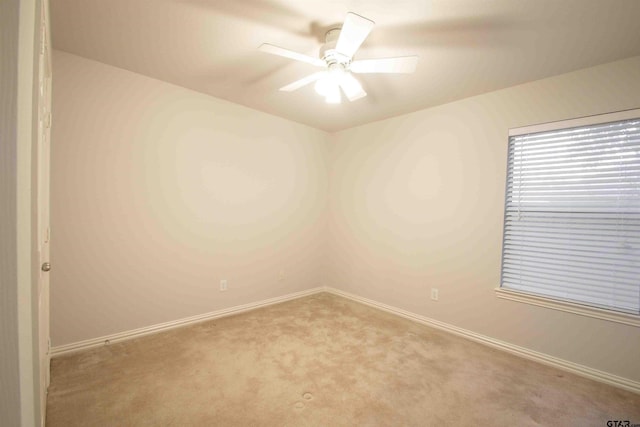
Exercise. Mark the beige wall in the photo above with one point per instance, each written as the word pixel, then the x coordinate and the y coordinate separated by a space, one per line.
pixel 9 330
pixel 159 192
pixel 417 202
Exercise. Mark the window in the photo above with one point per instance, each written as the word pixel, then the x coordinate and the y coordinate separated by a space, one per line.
pixel 572 213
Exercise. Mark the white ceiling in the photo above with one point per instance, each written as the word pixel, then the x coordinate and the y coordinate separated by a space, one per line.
pixel 466 47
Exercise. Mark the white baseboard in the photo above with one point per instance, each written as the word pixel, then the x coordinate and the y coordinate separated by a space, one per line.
pixel 136 333
pixel 545 359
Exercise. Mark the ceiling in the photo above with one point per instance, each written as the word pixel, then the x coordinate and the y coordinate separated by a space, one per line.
pixel 466 47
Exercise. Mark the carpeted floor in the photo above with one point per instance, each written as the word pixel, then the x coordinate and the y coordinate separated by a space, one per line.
pixel 320 361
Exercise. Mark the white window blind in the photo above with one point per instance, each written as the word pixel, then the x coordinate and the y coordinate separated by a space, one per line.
pixel 572 215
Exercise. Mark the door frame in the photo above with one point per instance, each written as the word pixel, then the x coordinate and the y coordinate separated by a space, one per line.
pixel 26 244
pixel 43 205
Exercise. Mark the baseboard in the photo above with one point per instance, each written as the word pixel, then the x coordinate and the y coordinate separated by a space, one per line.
pixel 136 333
pixel 565 365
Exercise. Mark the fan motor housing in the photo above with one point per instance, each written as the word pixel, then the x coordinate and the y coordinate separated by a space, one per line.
pixel 328 51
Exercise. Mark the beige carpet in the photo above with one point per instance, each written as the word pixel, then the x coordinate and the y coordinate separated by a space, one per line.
pixel 320 361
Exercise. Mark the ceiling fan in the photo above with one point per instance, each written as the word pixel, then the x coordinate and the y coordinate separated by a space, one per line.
pixel 336 57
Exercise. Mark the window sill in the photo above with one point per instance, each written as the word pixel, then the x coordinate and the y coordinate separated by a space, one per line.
pixel 611 316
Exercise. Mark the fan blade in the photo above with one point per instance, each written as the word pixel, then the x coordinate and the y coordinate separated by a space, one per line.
pixel 303 82
pixel 401 64
pixel 280 51
pixel 354 30
pixel 352 87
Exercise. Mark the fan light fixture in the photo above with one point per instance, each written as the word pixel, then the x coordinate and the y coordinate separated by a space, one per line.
pixel 328 85
pixel 336 56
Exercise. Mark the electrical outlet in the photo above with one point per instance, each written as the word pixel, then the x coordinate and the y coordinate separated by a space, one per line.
pixel 223 284
pixel 434 294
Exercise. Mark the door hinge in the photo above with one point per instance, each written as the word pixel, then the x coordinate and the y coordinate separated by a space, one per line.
pixel 47 120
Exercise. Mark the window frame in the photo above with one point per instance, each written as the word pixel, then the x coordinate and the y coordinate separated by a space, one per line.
pixel 550 302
